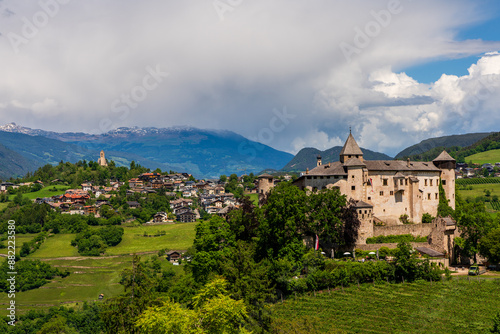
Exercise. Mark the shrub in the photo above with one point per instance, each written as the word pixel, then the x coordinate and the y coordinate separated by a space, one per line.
pixel 427 218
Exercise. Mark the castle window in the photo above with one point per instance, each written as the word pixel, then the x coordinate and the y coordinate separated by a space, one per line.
pixel 401 182
pixel 335 177
pixel 353 188
pixel 437 195
pixel 443 182
pixel 381 193
pixel 384 182
pixel 353 176
pixel 321 177
pixel 431 182
pixel 392 192
pixel 406 182
pixel 369 198
pixel 429 196
pixel 315 177
pixel 425 182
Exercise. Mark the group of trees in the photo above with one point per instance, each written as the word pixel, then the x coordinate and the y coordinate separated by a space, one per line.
pixel 31 274
pixel 75 174
pixel 93 242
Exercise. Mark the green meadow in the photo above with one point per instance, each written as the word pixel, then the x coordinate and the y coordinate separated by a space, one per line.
pixel 44 192
pixel 484 157
pixel 91 276
pixel 458 306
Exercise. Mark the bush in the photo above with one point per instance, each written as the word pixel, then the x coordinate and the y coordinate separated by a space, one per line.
pixel 427 218
pixel 381 239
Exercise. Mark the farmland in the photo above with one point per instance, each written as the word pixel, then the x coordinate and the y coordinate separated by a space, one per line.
pixel 91 276
pixel 458 306
pixel 490 156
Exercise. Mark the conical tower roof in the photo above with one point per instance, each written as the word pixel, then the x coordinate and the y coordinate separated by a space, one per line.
pixel 444 156
pixel 351 147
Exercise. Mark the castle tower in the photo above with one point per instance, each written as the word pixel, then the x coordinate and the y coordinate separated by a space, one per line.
pixel 350 150
pixel 102 159
pixel 318 163
pixel 447 164
pixel 265 183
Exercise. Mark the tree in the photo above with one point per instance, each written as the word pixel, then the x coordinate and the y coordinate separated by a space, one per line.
pixel 120 313
pixel 214 312
pixel 281 231
pixel 489 246
pixel 473 222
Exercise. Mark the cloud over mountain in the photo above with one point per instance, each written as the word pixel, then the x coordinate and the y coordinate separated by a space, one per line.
pixel 93 66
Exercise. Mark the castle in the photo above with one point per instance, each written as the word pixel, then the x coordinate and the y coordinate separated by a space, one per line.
pixel 384 190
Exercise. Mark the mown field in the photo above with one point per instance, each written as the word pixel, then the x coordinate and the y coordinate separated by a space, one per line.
pixel 91 276
pixel 484 157
pixel 458 306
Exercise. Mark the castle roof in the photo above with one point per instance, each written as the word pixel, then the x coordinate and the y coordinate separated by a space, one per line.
pixel 334 168
pixel 351 147
pixel 444 156
pixel 399 166
pixel 354 162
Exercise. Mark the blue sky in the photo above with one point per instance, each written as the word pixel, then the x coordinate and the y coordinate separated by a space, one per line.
pixel 487 29
pixel 287 73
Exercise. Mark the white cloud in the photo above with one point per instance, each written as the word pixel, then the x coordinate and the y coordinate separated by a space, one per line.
pixel 231 74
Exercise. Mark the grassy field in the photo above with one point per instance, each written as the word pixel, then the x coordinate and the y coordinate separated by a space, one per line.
pixel 20 239
pixel 446 307
pixel 44 192
pixel 58 245
pixel 478 190
pixel 177 237
pixel 88 279
pixel 254 198
pixel 484 157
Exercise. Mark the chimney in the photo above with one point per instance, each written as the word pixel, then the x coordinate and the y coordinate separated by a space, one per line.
pixel 319 161
pixel 408 163
pixel 307 170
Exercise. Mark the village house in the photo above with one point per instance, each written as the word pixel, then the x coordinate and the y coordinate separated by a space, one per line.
pixel 186 216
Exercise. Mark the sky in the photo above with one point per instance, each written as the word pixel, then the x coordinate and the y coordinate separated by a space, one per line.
pixel 289 74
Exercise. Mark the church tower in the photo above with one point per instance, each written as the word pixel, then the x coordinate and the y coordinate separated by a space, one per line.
pixel 102 159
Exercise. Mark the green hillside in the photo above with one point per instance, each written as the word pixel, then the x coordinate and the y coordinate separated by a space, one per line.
pixel 12 164
pixel 446 307
pixel 484 157
pixel 445 142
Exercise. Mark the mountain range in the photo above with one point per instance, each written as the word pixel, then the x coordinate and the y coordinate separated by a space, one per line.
pixel 203 153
